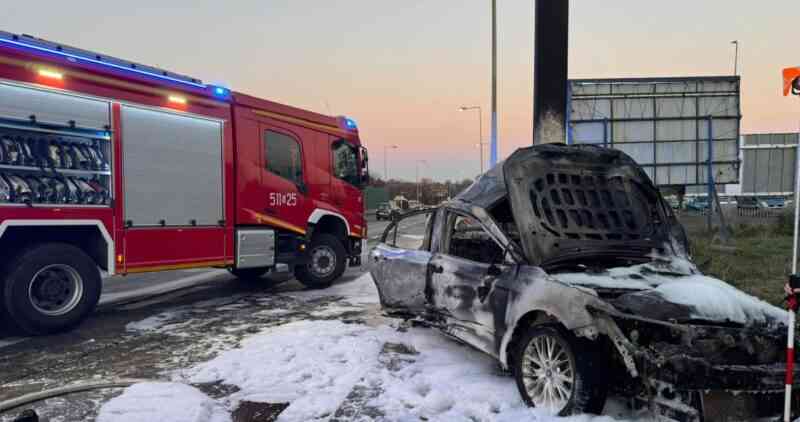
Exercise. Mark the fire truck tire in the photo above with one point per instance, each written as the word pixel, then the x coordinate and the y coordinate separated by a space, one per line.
pixel 325 262
pixel 249 274
pixel 50 288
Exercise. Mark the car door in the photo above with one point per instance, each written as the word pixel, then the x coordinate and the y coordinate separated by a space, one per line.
pixel 467 264
pixel 283 177
pixel 399 264
pixel 346 182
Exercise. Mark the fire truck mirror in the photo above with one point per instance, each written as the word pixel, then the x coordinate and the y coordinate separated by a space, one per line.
pixel 364 167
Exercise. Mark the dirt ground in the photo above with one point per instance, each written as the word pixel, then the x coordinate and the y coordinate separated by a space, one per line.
pixel 758 258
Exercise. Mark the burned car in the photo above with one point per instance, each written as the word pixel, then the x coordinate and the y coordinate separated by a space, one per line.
pixel 566 264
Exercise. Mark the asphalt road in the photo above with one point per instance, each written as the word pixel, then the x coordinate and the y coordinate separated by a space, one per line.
pixel 202 313
pixel 162 286
pixel 128 288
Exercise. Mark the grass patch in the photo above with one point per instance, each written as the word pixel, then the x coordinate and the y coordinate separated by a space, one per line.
pixel 759 265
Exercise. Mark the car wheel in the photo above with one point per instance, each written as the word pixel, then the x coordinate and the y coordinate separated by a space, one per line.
pixel 325 262
pixel 550 378
pixel 249 275
pixel 50 288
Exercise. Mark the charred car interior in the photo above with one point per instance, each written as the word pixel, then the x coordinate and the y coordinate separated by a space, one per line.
pixel 566 265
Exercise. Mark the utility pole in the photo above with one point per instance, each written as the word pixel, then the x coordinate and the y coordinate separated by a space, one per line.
pixel 385 160
pixel 493 146
pixel 417 178
pixel 480 129
pixel 551 33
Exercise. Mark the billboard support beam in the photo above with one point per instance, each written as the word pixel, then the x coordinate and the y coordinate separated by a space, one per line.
pixel 710 175
pixel 725 233
pixel 551 33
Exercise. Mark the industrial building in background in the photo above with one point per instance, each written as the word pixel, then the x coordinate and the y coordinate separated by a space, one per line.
pixel 663 123
pixel 768 164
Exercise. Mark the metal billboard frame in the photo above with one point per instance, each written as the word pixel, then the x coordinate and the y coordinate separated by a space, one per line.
pixel 603 111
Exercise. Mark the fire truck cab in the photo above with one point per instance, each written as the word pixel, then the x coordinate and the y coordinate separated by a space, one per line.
pixel 110 167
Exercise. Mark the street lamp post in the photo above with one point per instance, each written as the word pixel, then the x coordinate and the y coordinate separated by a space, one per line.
pixel 493 149
pixel 480 128
pixel 385 160
pixel 417 177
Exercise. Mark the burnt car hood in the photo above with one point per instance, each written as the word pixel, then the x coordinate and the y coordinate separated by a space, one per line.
pixel 673 290
pixel 573 203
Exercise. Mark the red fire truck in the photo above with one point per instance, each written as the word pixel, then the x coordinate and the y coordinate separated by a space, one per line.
pixel 114 167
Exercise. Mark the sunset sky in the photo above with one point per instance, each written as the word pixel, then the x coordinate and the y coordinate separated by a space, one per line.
pixel 402 68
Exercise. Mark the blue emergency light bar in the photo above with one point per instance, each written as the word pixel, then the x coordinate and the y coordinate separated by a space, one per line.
pixel 77 55
pixel 350 123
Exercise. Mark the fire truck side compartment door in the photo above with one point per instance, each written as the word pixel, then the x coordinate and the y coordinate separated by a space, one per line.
pixel 172 168
pixel 255 248
pixel 173 190
pixel 20 103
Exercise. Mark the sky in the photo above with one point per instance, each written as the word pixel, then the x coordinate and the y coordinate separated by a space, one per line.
pixel 403 68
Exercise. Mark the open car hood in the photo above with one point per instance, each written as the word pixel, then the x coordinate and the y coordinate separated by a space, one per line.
pixel 579 203
pixel 673 290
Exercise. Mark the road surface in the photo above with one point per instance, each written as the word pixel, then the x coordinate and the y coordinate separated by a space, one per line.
pixel 205 313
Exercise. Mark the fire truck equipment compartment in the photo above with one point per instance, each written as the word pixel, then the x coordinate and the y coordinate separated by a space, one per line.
pixel 173 168
pixel 23 103
pixel 255 248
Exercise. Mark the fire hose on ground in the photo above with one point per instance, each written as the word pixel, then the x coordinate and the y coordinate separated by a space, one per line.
pixel 69 389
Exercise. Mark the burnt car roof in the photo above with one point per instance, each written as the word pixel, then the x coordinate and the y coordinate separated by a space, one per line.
pixel 487 190
pixel 579 201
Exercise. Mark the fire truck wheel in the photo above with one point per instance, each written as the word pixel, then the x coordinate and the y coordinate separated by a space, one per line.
pixel 249 274
pixel 50 288
pixel 325 262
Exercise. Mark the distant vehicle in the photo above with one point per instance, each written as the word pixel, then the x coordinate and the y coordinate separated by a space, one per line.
pixel 772 202
pixel 698 203
pixel 752 202
pixel 414 205
pixel 748 202
pixel 384 212
pixel 400 203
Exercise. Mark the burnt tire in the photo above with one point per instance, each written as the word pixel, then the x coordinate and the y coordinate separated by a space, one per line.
pixel 325 261
pixel 249 275
pixel 573 364
pixel 50 288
